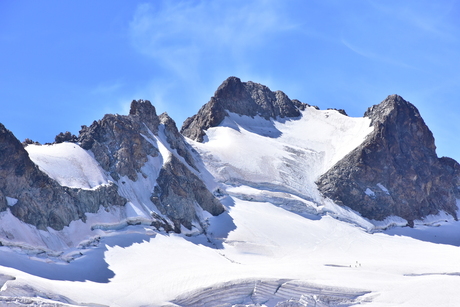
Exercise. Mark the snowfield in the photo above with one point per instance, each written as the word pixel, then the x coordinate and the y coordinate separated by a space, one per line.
pixel 278 244
pixel 68 164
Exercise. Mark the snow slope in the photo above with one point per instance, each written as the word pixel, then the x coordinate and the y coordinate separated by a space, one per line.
pixel 260 243
pixel 280 160
pixel 72 166
pixel 68 164
pixel 279 242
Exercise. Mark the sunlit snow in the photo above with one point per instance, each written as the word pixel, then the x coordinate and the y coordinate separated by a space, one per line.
pixel 279 240
pixel 68 164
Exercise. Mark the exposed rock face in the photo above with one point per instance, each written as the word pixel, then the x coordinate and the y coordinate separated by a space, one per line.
pixel 176 140
pixel 178 193
pixel 120 144
pixel 395 171
pixel 117 141
pixel 244 98
pixel 65 137
pixel 38 199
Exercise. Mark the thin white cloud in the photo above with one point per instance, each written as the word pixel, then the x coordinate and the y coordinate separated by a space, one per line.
pixel 181 34
pixel 428 17
pixel 375 56
pixel 198 44
pixel 107 88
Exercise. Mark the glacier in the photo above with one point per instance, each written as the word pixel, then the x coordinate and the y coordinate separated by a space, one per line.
pixel 278 243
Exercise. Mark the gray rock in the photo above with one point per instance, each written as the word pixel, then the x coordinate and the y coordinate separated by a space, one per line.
pixel 341 111
pixel 395 171
pixel 176 140
pixel 65 137
pixel 243 98
pixel 117 142
pixel 178 193
pixel 119 146
pixel 42 202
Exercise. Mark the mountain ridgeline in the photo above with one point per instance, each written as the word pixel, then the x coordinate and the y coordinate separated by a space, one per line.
pixel 122 145
pixel 243 98
pixel 394 172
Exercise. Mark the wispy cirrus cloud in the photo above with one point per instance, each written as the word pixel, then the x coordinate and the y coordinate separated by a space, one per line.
pixel 195 45
pixel 375 56
pixel 183 34
pixel 429 17
pixel 107 88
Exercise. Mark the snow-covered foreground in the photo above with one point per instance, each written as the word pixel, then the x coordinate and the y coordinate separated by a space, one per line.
pixel 279 242
pixel 261 243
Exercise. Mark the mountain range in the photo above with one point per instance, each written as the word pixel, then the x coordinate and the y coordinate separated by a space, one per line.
pixel 254 177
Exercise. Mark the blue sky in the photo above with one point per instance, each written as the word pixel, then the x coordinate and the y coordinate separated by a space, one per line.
pixel 64 64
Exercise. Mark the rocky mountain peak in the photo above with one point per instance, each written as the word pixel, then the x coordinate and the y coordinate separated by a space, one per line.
pixel 123 145
pixel 251 99
pixel 38 199
pixel 395 171
pixel 396 113
pixel 394 106
pixel 145 112
pixel 243 98
pixel 142 108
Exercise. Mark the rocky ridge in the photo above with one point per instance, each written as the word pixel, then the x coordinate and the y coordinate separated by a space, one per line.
pixel 395 171
pixel 243 98
pixel 35 198
pixel 122 145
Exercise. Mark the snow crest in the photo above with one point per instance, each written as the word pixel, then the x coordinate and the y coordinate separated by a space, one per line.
pixel 68 164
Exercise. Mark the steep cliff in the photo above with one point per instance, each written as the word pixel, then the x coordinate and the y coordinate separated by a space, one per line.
pixel 395 171
pixel 124 145
pixel 243 98
pixel 127 149
pixel 35 198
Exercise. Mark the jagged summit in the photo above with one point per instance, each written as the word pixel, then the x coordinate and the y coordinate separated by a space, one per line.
pixel 115 163
pixel 243 98
pixel 125 147
pixel 395 171
pixel 245 199
pixel 251 99
pixel 145 112
pixel 35 198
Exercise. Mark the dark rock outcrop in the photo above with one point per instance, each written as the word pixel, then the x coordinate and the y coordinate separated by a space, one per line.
pixel 117 141
pixel 178 193
pixel 243 98
pixel 176 140
pixel 65 137
pixel 341 111
pixel 39 200
pixel 395 171
pixel 120 144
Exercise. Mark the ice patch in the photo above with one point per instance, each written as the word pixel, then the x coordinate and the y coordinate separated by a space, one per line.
pixel 68 164
pixel 11 201
pixel 282 292
pixel 391 221
pixel 369 192
pixel 382 187
pixel 285 155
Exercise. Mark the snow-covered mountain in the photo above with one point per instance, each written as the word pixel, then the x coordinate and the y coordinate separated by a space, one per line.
pixel 259 200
